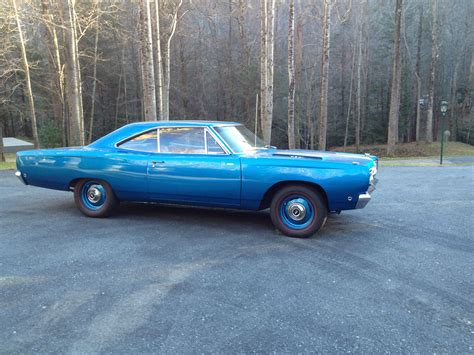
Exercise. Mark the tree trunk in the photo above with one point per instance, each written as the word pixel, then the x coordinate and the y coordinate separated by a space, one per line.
pixel 323 109
pixel 124 76
pixel 230 67
pixel 73 85
pixel 117 100
pixel 298 74
pixel 346 134
pixel 310 144
pixel 268 45
pixel 183 80
pixel 166 95
pixel 263 64
pixel 291 76
pixel 358 88
pixel 270 67
pixel 26 69
pixel 2 154
pixel 471 87
pixel 395 89
pixel 159 63
pixel 434 60
pixel 245 58
pixel 365 106
pixel 54 60
pixel 418 76
pixel 94 75
pixel 148 73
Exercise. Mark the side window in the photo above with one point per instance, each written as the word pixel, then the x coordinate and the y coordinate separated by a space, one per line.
pixel 146 142
pixel 212 146
pixel 182 140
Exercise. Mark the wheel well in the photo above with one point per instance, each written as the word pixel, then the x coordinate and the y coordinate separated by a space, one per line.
pixel 73 183
pixel 267 197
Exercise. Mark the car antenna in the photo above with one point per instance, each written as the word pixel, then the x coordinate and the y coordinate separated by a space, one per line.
pixel 256 119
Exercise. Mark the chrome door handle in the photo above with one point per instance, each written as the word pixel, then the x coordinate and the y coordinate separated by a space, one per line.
pixel 155 163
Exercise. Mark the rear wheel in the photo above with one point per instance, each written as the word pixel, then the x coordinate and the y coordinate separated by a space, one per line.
pixel 95 198
pixel 298 211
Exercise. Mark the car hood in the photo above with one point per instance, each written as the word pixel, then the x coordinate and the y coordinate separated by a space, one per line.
pixel 336 157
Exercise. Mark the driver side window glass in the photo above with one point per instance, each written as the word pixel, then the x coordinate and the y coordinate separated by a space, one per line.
pixel 182 140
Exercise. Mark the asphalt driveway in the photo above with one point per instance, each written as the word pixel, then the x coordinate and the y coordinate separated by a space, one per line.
pixel 394 277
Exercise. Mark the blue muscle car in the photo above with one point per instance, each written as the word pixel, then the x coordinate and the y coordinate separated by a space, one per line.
pixel 204 163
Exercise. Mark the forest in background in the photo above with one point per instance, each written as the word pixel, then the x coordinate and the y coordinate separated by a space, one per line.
pixel 325 73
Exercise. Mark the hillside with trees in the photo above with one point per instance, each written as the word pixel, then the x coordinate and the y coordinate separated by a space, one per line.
pixel 317 73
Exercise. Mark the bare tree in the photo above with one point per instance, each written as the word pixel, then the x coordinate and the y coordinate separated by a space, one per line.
pixel 73 86
pixel 171 32
pixel 158 57
pixel 323 109
pixel 349 104
pixel 263 64
pixel 2 154
pixel 267 43
pixel 395 89
pixel 26 70
pixel 291 75
pixel 164 69
pixel 418 76
pixel 148 73
pixel 94 75
pixel 434 60
pixel 56 68
pixel 359 81
pixel 471 86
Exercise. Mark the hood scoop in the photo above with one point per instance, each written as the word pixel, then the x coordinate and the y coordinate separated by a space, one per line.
pixel 297 155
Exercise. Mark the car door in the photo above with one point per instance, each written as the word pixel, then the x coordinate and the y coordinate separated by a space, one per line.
pixel 191 167
pixel 126 169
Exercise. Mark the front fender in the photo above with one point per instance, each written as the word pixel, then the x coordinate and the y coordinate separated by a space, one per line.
pixel 342 183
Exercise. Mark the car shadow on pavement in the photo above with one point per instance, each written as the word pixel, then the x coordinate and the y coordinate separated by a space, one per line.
pixel 228 219
pixel 191 214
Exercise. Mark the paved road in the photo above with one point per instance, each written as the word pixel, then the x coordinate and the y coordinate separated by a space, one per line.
pixel 396 277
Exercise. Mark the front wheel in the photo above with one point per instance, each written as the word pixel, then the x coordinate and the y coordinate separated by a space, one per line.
pixel 298 211
pixel 95 198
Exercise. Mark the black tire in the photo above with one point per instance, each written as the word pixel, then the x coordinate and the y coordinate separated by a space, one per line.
pixel 87 191
pixel 298 211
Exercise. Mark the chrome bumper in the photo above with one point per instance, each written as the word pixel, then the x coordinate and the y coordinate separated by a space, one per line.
pixel 365 198
pixel 19 175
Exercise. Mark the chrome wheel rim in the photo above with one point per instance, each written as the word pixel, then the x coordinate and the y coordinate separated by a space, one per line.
pixel 93 195
pixel 297 211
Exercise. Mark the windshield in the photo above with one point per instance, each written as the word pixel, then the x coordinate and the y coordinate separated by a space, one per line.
pixel 240 138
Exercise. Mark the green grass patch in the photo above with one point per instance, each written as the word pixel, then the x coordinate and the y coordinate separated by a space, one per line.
pixel 413 150
pixel 7 165
pixel 388 163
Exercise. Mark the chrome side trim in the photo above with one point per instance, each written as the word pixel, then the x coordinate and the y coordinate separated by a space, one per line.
pixel 363 200
pixel 218 141
pixel 116 145
pixel 19 175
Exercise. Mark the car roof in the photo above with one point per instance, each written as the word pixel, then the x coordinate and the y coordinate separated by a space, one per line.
pixel 131 129
pixel 183 123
